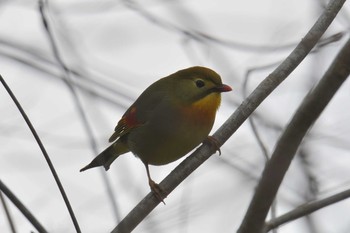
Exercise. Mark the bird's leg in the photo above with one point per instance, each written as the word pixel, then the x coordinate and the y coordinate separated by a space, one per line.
pixel 211 141
pixel 157 191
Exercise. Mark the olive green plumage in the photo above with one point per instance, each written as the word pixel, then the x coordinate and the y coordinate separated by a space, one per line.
pixel 169 119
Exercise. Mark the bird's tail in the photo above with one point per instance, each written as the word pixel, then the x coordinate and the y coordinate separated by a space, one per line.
pixel 106 157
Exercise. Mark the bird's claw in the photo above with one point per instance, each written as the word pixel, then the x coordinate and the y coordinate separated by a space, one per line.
pixel 157 191
pixel 211 141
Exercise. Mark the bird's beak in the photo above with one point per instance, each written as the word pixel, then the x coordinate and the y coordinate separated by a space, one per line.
pixel 223 88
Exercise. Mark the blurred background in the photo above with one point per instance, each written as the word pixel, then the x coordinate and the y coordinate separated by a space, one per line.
pixel 113 51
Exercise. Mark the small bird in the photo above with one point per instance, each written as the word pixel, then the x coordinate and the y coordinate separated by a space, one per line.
pixel 169 119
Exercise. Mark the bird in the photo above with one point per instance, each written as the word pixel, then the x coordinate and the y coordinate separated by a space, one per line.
pixel 169 119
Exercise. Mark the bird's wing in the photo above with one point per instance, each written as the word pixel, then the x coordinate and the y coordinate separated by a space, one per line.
pixel 142 111
pixel 128 122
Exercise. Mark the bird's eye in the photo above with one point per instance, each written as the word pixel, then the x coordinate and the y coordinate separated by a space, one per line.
pixel 200 83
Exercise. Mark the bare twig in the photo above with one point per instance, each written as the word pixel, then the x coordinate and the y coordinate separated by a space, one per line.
pixel 7 213
pixel 49 68
pixel 312 185
pixel 286 147
pixel 251 120
pixel 42 148
pixel 201 36
pixel 37 59
pixel 306 209
pixel 67 80
pixel 21 207
pixel 193 161
pixel 257 135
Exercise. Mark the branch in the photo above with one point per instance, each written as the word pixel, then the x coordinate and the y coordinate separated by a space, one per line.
pixel 307 113
pixel 22 208
pixel 67 80
pixel 40 144
pixel 198 157
pixel 306 209
pixel 7 213
pixel 204 37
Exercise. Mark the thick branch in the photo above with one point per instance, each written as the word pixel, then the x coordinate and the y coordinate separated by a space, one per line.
pixel 236 119
pixel 286 147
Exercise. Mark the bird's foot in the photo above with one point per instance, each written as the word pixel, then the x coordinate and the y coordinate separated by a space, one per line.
pixel 212 142
pixel 159 193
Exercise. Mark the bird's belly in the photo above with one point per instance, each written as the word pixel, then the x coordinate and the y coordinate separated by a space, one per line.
pixel 159 145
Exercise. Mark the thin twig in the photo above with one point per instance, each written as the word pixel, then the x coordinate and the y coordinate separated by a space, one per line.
pixel 306 209
pixel 312 185
pixel 42 148
pixel 67 80
pixel 198 157
pixel 201 36
pixel 22 208
pixel 257 134
pixel 251 120
pixel 7 213
pixel 37 59
pixel 287 145
pixel 104 94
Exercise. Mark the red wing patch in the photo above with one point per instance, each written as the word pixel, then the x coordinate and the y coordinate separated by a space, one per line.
pixel 130 118
pixel 128 122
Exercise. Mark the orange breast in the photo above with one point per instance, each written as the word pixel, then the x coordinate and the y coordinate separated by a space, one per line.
pixel 204 110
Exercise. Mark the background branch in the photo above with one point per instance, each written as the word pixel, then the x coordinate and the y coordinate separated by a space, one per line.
pixel 7 213
pixel 68 81
pixel 307 113
pixel 22 208
pixel 306 209
pixel 42 148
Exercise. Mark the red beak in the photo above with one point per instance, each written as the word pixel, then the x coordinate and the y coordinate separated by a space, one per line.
pixel 223 88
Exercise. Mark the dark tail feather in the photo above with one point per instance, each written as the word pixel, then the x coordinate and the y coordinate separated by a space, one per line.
pixel 106 157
